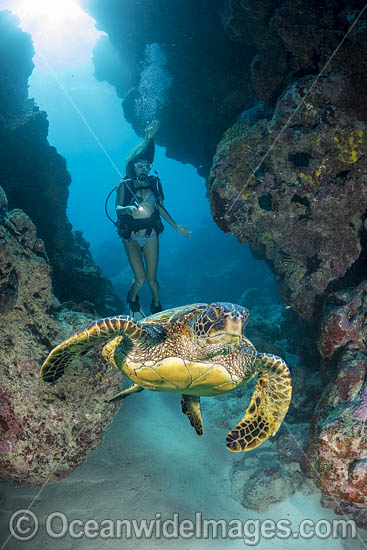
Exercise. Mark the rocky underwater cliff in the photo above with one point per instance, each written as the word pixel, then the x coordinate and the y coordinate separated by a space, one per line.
pixel 268 107
pixel 35 178
pixel 49 285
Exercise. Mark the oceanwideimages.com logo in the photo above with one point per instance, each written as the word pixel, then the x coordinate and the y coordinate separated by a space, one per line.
pixel 24 525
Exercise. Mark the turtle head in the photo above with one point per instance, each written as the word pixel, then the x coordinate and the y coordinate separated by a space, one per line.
pixel 221 326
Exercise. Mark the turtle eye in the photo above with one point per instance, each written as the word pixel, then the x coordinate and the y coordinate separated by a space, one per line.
pixel 211 314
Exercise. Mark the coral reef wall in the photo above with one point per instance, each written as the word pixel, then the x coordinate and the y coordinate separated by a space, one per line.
pixel 304 209
pixel 45 429
pixel 337 449
pixel 292 181
pixel 35 177
pixel 268 100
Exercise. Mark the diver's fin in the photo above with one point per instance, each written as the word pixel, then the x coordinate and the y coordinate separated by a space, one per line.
pixel 124 393
pixel 135 309
pixel 191 407
pixel 138 315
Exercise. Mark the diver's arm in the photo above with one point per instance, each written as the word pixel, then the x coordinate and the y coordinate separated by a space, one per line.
pixel 181 229
pixel 163 212
pixel 120 195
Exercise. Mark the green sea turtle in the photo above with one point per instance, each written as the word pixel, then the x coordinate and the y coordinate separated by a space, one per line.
pixel 195 350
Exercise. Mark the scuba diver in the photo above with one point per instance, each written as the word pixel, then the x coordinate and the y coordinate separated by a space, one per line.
pixel 139 205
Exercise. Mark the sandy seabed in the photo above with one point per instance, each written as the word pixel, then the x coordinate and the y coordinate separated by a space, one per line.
pixel 153 466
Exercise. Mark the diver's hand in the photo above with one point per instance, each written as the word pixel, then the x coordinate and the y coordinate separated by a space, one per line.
pixel 152 129
pixel 126 209
pixel 131 209
pixel 184 231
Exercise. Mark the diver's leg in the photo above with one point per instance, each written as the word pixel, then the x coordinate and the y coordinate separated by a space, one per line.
pixel 135 257
pixel 151 254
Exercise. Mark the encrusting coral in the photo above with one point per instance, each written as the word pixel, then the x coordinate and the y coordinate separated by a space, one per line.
pixel 303 208
pixel 337 447
pixel 45 431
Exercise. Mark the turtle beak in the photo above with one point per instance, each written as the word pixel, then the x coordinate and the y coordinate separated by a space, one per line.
pixel 228 330
pixel 224 338
pixel 234 326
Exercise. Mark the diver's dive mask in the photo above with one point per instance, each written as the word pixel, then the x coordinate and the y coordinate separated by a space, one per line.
pixel 142 168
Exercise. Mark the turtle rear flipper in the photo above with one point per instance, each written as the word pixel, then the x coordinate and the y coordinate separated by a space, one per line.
pixel 135 388
pixel 96 333
pixel 191 407
pixel 268 407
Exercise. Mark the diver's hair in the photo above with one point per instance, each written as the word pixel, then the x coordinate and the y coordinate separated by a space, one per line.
pixel 144 150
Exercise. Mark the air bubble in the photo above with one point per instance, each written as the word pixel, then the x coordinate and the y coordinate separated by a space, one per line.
pixel 155 82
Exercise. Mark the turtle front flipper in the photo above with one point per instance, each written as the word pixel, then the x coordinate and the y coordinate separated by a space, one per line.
pixel 96 333
pixel 191 407
pixel 110 351
pixel 268 407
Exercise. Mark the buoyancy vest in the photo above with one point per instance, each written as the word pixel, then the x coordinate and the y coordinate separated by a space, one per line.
pixel 126 224
pixel 153 182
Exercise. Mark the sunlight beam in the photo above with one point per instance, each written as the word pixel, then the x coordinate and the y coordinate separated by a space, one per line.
pixel 60 29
